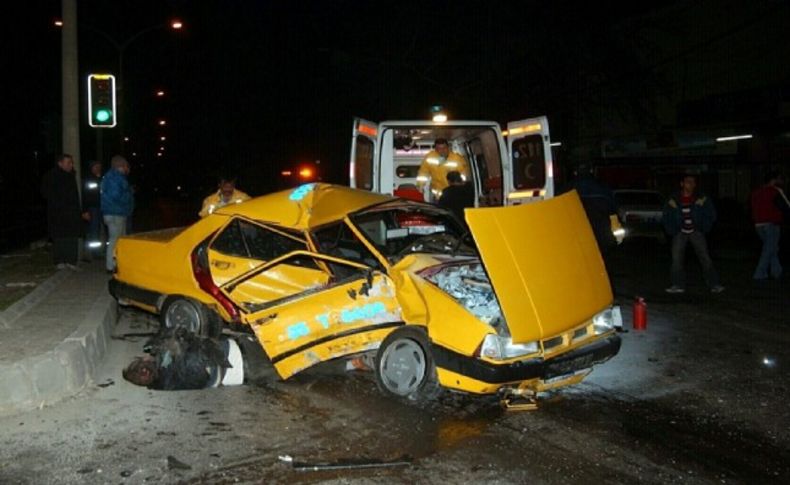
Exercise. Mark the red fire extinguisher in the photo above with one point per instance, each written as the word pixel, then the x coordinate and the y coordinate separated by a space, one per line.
pixel 640 313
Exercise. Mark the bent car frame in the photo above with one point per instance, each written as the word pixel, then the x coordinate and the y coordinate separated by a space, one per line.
pixel 518 301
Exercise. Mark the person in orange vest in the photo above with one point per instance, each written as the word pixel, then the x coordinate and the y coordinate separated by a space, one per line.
pixel 437 164
pixel 769 207
pixel 226 194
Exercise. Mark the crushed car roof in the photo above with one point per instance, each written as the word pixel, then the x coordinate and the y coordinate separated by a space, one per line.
pixel 306 206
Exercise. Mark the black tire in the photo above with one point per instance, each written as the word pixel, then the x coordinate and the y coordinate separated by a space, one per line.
pixel 404 366
pixel 180 311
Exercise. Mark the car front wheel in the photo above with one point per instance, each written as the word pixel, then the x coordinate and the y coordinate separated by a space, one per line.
pixel 179 311
pixel 405 367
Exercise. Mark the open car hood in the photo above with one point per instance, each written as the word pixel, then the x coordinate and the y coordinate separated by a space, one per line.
pixel 544 265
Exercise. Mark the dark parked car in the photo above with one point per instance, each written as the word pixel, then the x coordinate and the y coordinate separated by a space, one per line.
pixel 640 213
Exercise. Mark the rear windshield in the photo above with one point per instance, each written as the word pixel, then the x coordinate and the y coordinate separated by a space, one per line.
pixel 638 198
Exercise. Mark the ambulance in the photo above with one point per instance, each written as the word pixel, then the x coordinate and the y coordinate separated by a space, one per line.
pixel 508 167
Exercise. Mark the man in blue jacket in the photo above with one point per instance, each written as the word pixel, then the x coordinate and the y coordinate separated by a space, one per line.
pixel 117 204
pixel 688 217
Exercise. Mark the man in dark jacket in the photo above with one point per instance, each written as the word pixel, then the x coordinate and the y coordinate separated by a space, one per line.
pixel 599 205
pixel 601 209
pixel 117 204
pixel 688 217
pixel 770 206
pixel 64 215
pixel 458 195
pixel 91 202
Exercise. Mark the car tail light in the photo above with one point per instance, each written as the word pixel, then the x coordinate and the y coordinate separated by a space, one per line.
pixel 206 283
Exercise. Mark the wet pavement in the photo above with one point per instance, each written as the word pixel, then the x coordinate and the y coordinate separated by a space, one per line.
pixel 700 397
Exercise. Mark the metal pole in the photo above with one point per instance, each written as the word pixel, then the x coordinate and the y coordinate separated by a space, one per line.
pixel 120 99
pixel 70 87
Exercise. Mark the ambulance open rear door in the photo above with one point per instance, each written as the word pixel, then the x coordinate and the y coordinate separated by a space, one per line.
pixel 362 172
pixel 531 165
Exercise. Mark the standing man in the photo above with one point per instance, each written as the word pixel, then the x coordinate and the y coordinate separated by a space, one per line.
pixel 117 204
pixel 688 217
pixel 457 196
pixel 226 194
pixel 601 210
pixel 769 206
pixel 64 217
pixel 91 201
pixel 437 164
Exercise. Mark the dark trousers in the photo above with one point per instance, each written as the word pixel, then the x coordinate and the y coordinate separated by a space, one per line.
pixel 65 250
pixel 700 245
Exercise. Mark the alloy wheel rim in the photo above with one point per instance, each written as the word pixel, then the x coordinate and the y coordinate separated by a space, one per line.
pixel 183 314
pixel 403 367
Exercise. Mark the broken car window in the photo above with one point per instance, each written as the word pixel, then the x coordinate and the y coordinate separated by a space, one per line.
pixel 337 240
pixel 247 240
pixel 230 242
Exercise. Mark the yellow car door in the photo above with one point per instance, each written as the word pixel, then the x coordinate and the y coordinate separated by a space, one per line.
pixel 351 312
pixel 243 245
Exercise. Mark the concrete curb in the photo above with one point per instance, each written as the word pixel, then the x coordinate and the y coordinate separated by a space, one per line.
pixel 64 371
pixel 19 308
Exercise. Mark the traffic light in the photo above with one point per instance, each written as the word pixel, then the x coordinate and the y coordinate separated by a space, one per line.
pixel 101 100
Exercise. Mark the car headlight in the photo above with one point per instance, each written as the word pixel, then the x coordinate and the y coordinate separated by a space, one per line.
pixel 607 320
pixel 501 348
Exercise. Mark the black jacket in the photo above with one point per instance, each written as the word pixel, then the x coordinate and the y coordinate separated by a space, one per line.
pixel 91 192
pixel 599 205
pixel 59 188
pixel 457 198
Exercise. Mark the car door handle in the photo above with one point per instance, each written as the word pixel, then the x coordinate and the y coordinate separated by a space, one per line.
pixel 219 264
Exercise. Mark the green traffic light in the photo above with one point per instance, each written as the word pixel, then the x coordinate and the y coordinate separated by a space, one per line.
pixel 102 115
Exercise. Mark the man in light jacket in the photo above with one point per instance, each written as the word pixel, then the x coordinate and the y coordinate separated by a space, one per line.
pixel 117 204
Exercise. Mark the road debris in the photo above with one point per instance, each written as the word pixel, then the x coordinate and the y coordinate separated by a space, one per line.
pixel 174 463
pixel 346 463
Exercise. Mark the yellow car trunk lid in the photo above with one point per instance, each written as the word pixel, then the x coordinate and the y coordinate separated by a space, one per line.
pixel 544 265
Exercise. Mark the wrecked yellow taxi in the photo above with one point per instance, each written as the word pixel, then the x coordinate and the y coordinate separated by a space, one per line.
pixel 515 301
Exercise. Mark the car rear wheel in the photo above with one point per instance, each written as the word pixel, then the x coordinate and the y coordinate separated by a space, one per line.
pixel 405 367
pixel 180 311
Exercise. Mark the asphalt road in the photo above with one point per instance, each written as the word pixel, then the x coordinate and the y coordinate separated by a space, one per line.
pixel 700 397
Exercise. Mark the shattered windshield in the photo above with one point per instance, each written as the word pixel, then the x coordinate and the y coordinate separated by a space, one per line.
pixel 405 228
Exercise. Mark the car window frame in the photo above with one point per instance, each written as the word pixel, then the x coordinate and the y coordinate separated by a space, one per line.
pixel 297 236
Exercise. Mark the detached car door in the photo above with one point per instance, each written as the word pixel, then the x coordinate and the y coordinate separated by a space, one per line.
pixel 350 313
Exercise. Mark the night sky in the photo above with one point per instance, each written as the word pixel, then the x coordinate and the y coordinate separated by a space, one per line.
pixel 253 87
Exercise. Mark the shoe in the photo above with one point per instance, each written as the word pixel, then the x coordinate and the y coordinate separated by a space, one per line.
pixel 717 289
pixel 675 289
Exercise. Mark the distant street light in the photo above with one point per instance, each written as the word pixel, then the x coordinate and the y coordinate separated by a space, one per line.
pixel 176 24
pixel 163 138
pixel 126 138
pixel 162 149
pixel 733 138
pixel 58 23
pixel 159 154
pixel 162 122
pixel 160 93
